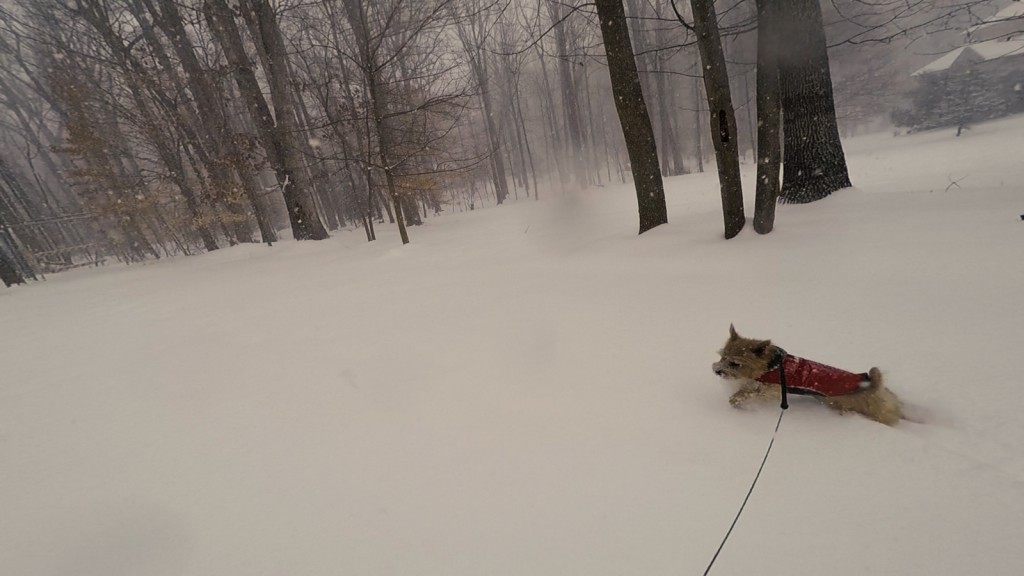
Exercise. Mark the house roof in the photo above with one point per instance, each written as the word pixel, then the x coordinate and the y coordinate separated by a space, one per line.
pixel 1014 11
pixel 980 52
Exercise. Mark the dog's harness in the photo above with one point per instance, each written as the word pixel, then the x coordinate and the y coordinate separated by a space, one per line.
pixel 806 377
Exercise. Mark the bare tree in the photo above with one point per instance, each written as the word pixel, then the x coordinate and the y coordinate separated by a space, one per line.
pixel 413 95
pixel 224 162
pixel 144 91
pixel 474 29
pixel 723 115
pixel 560 15
pixel 769 118
pixel 633 115
pixel 276 132
pixel 512 65
pixel 654 54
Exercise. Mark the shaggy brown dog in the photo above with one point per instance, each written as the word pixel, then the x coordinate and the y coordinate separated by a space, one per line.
pixel 762 366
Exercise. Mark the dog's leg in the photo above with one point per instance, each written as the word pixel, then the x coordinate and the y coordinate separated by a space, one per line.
pixel 752 390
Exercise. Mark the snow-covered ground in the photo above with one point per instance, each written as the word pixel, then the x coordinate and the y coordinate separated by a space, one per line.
pixel 526 391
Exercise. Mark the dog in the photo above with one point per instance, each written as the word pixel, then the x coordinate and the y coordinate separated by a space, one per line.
pixel 769 372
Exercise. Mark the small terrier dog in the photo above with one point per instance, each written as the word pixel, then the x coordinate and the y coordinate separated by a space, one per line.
pixel 767 372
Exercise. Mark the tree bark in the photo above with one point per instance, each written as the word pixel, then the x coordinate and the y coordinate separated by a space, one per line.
pixel 633 115
pixel 769 118
pixel 723 116
pixel 184 119
pixel 9 273
pixel 280 152
pixel 266 32
pixel 814 164
pixel 215 130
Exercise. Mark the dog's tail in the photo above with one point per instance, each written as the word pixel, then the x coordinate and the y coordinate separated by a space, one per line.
pixel 874 377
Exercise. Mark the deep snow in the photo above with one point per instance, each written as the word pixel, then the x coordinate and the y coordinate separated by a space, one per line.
pixel 526 390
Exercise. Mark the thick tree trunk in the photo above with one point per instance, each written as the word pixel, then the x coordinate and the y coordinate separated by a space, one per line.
pixel 9 274
pixel 723 116
pixel 814 164
pixel 769 119
pixel 215 129
pixel 317 177
pixel 193 132
pixel 633 115
pixel 270 46
pixel 280 152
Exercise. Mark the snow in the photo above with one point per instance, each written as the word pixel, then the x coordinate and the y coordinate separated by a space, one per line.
pixel 526 390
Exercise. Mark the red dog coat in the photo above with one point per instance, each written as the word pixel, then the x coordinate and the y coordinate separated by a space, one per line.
pixel 808 377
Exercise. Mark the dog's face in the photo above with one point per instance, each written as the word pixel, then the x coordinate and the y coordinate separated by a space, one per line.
pixel 743 358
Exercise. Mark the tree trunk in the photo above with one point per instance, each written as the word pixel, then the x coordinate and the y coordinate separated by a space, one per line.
pixel 671 156
pixel 769 119
pixel 591 139
pixel 493 136
pixel 723 116
pixel 570 96
pixel 551 131
pixel 318 179
pixel 524 140
pixel 364 201
pixel 159 135
pixel 185 119
pixel 9 274
pixel 273 132
pixel 814 164
pixel 633 115
pixel 270 46
pixel 473 39
pixel 356 15
pixel 698 134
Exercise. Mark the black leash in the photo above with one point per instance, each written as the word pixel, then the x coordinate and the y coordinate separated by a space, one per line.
pixel 749 492
pixel 780 359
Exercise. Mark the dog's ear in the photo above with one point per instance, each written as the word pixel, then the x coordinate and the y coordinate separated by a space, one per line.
pixel 761 348
pixel 732 332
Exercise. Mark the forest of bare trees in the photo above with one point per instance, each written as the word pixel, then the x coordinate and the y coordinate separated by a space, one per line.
pixel 141 129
